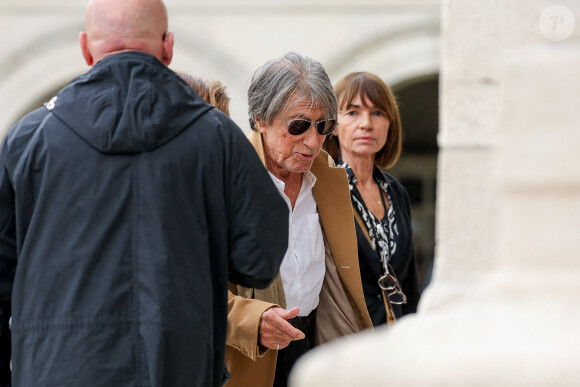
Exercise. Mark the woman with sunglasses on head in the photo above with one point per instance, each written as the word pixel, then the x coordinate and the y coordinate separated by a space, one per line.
pixel 318 295
pixel 367 140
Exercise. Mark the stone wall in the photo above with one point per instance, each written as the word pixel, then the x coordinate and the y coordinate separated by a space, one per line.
pixel 225 40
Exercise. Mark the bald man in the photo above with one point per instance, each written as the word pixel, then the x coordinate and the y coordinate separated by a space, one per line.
pixel 126 205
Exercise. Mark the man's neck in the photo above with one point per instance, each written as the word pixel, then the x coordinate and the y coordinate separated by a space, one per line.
pixel 292 184
pixel 362 167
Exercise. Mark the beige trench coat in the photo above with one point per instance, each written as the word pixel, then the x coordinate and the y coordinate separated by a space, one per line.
pixel 341 309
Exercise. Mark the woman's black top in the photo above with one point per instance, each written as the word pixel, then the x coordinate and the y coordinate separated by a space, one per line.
pixel 397 238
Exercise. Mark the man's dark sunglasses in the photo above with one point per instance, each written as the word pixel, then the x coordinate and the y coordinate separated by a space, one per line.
pixel 299 126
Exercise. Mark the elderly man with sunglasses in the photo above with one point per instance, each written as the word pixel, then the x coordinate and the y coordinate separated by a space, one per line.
pixel 318 295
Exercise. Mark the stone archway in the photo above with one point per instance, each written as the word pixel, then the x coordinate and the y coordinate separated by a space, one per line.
pixel 36 70
pixel 396 55
pixel 418 101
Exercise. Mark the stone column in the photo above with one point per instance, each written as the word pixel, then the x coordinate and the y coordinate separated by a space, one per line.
pixel 504 305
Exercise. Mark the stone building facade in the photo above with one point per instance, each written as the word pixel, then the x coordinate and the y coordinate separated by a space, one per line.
pixel 228 39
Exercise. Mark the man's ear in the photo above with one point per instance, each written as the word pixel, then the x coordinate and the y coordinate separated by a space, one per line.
pixel 84 42
pixel 259 126
pixel 167 54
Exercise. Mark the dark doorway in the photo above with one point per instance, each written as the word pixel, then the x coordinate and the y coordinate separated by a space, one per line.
pixel 417 168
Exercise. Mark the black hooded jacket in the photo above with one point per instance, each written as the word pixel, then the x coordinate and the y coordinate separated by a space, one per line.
pixel 126 205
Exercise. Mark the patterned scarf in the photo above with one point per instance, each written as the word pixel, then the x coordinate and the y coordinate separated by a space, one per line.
pixel 382 233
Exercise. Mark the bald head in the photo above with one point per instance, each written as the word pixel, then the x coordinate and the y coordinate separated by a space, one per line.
pixel 126 25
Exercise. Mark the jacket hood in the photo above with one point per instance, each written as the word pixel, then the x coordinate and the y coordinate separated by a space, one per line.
pixel 128 103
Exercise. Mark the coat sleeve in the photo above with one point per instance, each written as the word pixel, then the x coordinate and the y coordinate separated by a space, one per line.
pixel 7 266
pixel 258 218
pixel 244 325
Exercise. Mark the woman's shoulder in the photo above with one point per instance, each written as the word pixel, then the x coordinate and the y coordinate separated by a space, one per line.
pixel 397 190
pixel 390 179
pixel 395 184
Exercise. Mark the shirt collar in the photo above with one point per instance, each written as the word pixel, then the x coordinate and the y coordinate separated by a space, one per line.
pixel 308 181
pixel 277 182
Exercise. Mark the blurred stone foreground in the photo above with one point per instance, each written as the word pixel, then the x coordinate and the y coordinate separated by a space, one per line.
pixel 504 305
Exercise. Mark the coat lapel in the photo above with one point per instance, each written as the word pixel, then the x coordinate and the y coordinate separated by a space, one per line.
pixel 256 141
pixel 335 210
pixel 275 292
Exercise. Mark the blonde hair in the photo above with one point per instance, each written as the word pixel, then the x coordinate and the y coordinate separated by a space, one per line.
pixel 212 92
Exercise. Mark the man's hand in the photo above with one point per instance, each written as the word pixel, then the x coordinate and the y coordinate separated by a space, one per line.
pixel 275 331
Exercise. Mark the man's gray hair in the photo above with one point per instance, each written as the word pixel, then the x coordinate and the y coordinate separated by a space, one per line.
pixel 278 80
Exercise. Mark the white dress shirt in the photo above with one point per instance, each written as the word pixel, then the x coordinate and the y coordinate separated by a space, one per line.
pixel 303 266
